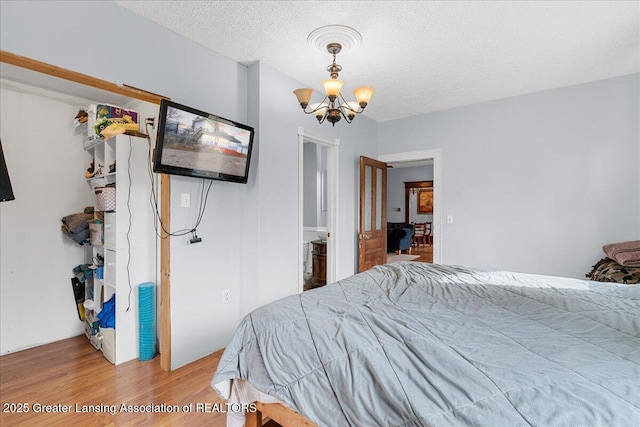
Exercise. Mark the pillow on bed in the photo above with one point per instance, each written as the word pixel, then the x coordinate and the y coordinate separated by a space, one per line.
pixel 624 253
pixel 607 270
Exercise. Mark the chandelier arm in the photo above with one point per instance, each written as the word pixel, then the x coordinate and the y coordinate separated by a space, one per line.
pixel 346 118
pixel 346 105
pixel 320 105
pixel 344 101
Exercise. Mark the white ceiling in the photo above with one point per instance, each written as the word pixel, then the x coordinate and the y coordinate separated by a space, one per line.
pixel 421 56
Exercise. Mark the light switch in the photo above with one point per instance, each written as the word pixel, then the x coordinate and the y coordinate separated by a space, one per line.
pixel 185 201
pixel 449 219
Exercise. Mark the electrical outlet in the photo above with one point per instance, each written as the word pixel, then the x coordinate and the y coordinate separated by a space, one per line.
pixel 185 200
pixel 226 296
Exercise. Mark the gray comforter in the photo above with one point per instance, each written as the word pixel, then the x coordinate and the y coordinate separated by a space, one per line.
pixel 414 344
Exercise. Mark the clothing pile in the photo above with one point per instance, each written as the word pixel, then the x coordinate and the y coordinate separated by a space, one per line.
pixel 76 226
pixel 622 264
pixel 82 272
pixel 107 317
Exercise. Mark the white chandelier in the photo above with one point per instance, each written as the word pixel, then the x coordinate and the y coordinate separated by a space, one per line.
pixel 336 107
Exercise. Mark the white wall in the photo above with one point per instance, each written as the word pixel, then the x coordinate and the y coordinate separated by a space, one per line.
pixel 46 164
pixel 535 183
pixel 200 322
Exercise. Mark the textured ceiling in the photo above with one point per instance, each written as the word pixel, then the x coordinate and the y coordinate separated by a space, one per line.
pixel 421 56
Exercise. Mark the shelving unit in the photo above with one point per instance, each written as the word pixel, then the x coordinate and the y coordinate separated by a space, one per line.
pixel 129 238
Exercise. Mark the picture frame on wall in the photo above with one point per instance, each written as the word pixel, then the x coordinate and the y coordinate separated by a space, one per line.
pixel 425 201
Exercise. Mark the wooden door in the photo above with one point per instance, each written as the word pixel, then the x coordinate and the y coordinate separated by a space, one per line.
pixel 372 236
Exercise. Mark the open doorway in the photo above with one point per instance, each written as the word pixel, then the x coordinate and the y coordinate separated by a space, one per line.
pixel 318 209
pixel 426 156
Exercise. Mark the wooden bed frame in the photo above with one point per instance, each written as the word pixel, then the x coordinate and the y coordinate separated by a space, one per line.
pixel 279 413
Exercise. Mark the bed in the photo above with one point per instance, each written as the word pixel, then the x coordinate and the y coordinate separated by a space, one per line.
pixel 415 344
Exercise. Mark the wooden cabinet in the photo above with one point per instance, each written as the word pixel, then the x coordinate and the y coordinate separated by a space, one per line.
pixel 319 253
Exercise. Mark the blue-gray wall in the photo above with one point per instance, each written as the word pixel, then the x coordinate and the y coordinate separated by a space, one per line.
pixel 314 185
pixel 310 185
pixel 535 183
pixel 396 177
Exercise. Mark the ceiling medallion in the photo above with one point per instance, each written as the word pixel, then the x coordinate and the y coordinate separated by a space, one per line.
pixel 347 37
pixel 334 39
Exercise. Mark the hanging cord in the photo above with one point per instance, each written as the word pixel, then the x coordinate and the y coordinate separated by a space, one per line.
pixel 203 202
pixel 130 223
pixel 153 200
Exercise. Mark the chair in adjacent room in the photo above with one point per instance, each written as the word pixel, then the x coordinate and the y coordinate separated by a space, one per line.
pixel 428 233
pixel 418 236
pixel 422 235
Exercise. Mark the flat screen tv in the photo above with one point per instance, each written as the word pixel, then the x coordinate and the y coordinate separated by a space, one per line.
pixel 195 143
pixel 6 192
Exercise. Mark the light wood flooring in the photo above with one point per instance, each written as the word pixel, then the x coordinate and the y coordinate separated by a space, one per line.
pixel 425 252
pixel 71 372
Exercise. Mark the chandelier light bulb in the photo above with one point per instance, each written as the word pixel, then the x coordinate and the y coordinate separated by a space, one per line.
pixel 363 95
pixel 350 108
pixel 332 87
pixel 304 96
pixel 319 109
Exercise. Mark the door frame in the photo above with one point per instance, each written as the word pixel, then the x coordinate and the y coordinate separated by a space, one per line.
pixel 332 203
pixel 436 156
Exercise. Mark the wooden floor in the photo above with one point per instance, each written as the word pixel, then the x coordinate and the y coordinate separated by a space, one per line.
pixel 425 252
pixel 71 374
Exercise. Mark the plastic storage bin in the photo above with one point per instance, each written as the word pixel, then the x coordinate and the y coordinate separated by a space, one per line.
pixel 107 337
